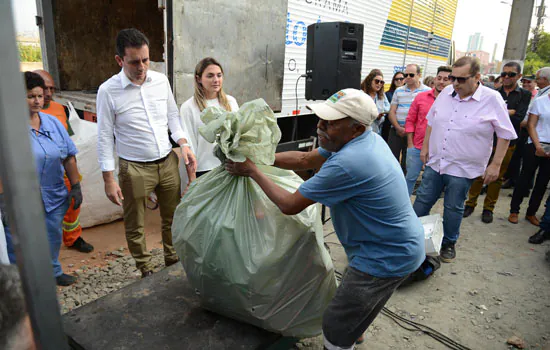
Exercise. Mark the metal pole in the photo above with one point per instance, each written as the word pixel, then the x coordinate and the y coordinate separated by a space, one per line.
pixel 408 33
pixel 536 32
pixel 22 195
pixel 430 38
pixel 44 21
pixel 518 31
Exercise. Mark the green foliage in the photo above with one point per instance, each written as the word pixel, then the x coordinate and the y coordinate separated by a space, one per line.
pixel 539 58
pixel 29 53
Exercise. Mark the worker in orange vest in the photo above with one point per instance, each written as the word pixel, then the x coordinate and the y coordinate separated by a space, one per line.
pixel 72 230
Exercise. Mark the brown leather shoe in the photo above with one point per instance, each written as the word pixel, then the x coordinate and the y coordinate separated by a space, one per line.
pixel 532 219
pixel 513 218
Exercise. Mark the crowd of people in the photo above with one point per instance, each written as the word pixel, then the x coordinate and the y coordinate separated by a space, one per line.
pixel 463 133
pixel 523 102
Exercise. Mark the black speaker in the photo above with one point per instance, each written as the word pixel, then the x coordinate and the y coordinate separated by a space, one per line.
pixel 334 56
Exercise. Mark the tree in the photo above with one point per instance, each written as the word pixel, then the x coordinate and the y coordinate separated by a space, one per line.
pixel 539 58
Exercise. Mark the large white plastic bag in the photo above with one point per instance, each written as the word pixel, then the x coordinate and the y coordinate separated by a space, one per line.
pixel 246 259
pixel 96 208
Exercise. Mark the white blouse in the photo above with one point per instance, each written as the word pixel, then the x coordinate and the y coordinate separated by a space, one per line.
pixel 190 121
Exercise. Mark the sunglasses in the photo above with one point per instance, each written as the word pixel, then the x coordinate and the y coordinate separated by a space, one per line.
pixel 461 80
pixel 378 81
pixel 510 74
pixel 409 75
pixel 399 79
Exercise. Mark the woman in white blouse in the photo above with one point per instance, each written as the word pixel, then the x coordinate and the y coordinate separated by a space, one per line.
pixel 536 154
pixel 208 92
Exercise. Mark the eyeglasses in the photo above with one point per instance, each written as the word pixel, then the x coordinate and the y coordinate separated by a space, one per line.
pixel 409 75
pixel 461 80
pixel 510 74
pixel 378 81
pixel 399 79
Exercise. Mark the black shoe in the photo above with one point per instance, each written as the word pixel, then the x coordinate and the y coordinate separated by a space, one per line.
pixel 146 273
pixel 467 211
pixel 487 216
pixel 508 184
pixel 170 262
pixel 65 280
pixel 539 237
pixel 447 253
pixel 82 246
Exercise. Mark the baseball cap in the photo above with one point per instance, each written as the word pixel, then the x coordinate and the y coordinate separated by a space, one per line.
pixel 528 77
pixel 347 103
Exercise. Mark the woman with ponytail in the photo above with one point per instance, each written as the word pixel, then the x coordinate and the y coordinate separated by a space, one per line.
pixel 208 92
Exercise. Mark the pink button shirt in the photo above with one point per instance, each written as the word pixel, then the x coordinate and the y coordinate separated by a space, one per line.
pixel 416 119
pixel 462 131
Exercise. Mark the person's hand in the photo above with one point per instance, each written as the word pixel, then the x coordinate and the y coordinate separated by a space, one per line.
pixel 491 173
pixel 245 168
pixel 539 152
pixel 76 195
pixel 523 124
pixel 113 192
pixel 400 131
pixel 190 162
pixel 424 155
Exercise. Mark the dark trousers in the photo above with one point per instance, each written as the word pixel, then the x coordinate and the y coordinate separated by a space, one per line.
pixel 515 163
pixel 530 164
pixel 398 146
pixel 358 300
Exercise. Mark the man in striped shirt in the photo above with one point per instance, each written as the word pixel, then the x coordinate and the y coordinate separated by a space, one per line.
pixel 400 104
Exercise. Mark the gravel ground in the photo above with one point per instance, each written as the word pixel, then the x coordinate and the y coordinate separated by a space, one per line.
pixel 114 272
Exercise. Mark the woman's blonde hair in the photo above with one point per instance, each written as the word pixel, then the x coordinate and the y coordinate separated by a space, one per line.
pixel 200 95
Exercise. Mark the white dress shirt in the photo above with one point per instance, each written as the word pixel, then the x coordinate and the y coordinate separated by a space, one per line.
pixel 137 117
pixel 191 121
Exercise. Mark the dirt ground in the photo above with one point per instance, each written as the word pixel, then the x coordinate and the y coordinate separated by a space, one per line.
pixel 497 287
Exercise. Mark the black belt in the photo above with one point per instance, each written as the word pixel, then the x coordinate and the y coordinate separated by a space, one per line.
pixel 158 161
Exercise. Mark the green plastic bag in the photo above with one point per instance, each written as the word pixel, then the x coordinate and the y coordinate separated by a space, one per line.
pixel 244 258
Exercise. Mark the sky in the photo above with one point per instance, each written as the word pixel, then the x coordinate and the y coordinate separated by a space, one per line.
pixel 488 17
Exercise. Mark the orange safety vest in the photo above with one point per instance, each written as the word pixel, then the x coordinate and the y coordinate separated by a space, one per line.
pixel 58 111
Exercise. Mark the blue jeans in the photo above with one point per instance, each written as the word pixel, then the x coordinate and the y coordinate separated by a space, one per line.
pixel 456 190
pixel 54 222
pixel 414 166
pixel 545 222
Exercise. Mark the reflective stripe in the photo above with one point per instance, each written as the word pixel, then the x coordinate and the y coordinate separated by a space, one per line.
pixel 68 226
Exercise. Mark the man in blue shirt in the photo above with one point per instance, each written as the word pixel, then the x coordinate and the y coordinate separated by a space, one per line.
pixel 364 187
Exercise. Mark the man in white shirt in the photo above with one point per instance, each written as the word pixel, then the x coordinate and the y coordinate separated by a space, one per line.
pixel 136 108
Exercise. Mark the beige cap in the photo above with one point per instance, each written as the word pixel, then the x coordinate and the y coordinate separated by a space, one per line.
pixel 347 103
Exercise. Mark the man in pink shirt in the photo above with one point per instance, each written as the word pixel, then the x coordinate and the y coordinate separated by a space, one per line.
pixel 458 145
pixel 416 123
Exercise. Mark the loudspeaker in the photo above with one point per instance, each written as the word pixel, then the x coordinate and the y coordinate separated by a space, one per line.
pixel 334 56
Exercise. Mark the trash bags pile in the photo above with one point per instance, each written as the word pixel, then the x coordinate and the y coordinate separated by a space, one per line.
pixel 244 258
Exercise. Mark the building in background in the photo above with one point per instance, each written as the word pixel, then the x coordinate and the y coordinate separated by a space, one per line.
pixel 483 56
pixel 475 42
